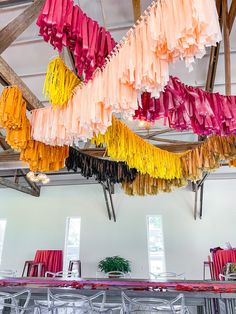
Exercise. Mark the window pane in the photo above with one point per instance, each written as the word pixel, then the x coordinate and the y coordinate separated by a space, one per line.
pixel 156 252
pixel 72 241
pixel 2 234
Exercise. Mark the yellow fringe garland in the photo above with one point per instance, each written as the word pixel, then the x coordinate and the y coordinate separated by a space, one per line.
pixel 143 185
pixel 208 156
pixel 124 145
pixel 232 163
pixel 39 156
pixel 59 82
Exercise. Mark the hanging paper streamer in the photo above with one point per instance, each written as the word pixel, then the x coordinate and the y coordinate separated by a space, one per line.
pixel 124 145
pixel 208 156
pixel 139 63
pixel 59 82
pixel 232 163
pixel 64 24
pixel 39 156
pixel 13 118
pixel 188 107
pixel 143 185
pixel 102 169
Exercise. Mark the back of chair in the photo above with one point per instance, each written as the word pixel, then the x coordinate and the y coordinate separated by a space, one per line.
pixel 7 273
pixel 146 305
pixel 62 274
pixel 169 275
pixel 11 301
pixel 73 302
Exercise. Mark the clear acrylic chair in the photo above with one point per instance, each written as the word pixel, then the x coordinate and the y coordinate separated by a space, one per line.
pixel 72 303
pixel 16 303
pixel 153 305
pixel 7 273
pixel 169 275
pixel 230 277
pixel 62 274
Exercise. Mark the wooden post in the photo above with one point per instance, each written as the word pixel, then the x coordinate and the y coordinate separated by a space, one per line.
pixel 136 9
pixel 16 27
pixel 226 32
pixel 232 14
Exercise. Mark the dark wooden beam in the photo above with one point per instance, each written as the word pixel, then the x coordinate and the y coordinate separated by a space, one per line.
pixel 11 78
pixel 3 143
pixel 18 187
pixel 155 133
pixel 232 14
pixel 136 9
pixel 227 52
pixel 17 26
pixel 33 185
pixel 214 55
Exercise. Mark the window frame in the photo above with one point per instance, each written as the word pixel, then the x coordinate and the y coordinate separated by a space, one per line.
pixel 67 229
pixel 163 258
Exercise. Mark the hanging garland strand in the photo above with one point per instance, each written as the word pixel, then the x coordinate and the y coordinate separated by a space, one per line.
pixel 39 156
pixel 124 145
pixel 101 169
pixel 143 185
pixel 59 82
pixel 187 107
pixel 208 156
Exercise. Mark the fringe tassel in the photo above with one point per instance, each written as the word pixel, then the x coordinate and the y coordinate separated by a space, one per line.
pixel 59 82
pixel 146 185
pixel 124 145
pixel 39 156
pixel 208 156
pixel 232 163
pixel 102 169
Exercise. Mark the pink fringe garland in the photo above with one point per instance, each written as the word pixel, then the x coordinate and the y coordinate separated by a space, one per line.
pixel 64 24
pixel 187 107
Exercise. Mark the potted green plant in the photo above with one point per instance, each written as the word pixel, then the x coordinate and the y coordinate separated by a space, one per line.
pixel 114 264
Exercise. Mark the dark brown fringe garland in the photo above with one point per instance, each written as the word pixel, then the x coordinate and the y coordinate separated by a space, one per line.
pixel 101 169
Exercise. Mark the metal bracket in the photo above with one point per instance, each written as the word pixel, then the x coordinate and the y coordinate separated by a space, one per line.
pixel 196 186
pixel 108 190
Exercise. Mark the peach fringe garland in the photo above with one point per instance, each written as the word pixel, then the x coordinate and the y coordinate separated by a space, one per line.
pixel 39 156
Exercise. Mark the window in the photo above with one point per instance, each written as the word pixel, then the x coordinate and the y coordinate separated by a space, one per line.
pixel 72 240
pixel 156 252
pixel 3 223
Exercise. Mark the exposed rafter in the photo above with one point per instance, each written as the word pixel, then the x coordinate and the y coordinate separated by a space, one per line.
pixel 15 186
pixel 16 27
pixel 136 9
pixel 11 78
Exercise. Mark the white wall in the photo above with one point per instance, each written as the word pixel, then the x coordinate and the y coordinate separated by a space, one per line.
pixel 39 223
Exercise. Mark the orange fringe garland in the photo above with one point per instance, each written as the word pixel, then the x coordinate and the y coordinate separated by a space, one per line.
pixel 39 156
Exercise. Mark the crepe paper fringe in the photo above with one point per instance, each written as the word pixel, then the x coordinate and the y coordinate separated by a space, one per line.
pixel 124 145
pixel 143 185
pixel 59 82
pixel 232 163
pixel 100 168
pixel 39 156
pixel 208 156
pixel 187 107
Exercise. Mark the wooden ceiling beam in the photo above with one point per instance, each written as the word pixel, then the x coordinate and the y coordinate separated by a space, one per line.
pixel 15 186
pixel 136 9
pixel 8 75
pixel 232 14
pixel 17 26
pixel 227 52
